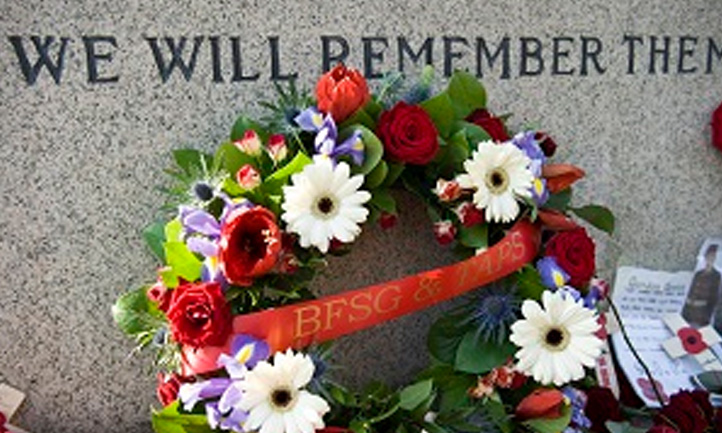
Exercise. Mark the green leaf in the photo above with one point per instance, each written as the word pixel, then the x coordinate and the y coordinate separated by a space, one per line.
pixel 191 160
pixel 173 230
pixel 359 426
pixel 360 117
pixel 529 283
pixel 598 216
pixel 170 420
pixel 243 124
pixel 559 201
pixel 232 159
pixel 377 176
pixel 184 263
pixel 434 428
pixel 555 425
pixel 475 236
pixel 444 338
pixel 395 171
pixel 475 134
pixel 154 236
pixel 413 395
pixel 441 111
pixel 275 182
pixel 477 356
pixel 373 148
pixel 382 199
pixel 623 427
pixel 135 314
pixel 466 93
pixel 458 148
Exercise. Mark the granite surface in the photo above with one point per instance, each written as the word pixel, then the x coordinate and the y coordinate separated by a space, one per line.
pixel 80 161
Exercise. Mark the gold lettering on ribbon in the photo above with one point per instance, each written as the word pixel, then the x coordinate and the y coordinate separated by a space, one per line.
pixel 360 303
pixel 395 301
pixel 518 246
pixel 303 319
pixel 332 313
pixel 429 286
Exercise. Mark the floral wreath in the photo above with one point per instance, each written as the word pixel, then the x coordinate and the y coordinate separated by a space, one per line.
pixel 251 226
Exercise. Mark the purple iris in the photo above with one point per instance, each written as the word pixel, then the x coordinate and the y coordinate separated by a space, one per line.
pixel 592 297
pixel 539 191
pixel 527 143
pixel 203 231
pixel 225 413
pixel 326 141
pixel 578 400
pixel 552 275
pixel 570 291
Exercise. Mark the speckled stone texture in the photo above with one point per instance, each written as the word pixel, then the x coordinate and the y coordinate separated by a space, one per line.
pixel 80 163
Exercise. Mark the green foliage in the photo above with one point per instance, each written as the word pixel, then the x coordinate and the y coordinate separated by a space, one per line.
pixel 273 185
pixel 598 216
pixel 232 159
pixel 192 161
pixel 377 176
pixel 171 420
pixel 529 284
pixel 466 93
pixel 623 427
pixel 183 262
pixel 476 356
pixel 444 338
pixel 135 314
pixel 475 236
pixel 414 395
pixel 441 111
pixel 560 201
pixel 154 236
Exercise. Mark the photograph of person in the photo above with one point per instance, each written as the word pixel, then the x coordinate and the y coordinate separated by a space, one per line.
pixel 703 296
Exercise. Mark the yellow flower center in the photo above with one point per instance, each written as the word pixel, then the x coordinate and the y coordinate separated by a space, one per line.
pixel 556 338
pixel 497 180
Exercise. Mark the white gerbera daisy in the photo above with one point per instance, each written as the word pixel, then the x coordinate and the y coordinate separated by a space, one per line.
pixel 499 172
pixel 556 341
pixel 324 203
pixel 274 400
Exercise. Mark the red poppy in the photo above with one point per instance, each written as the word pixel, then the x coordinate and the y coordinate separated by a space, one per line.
pixel 692 340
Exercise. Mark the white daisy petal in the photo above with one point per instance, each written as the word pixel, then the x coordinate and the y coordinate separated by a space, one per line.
pixel 556 339
pixel 324 202
pixel 275 400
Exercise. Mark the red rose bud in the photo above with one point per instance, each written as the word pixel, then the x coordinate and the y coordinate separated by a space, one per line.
pixel 388 220
pixel 469 215
pixel 408 134
pixel 199 315
pixel 445 232
pixel 542 403
pixel 493 126
pixel 561 176
pixel 248 177
pixel 159 294
pixel 288 264
pixel 341 91
pixel 717 128
pixel 547 144
pixel 250 143
pixel 249 245
pixel 168 386
pixel 277 148
pixel 447 190
pixel 574 252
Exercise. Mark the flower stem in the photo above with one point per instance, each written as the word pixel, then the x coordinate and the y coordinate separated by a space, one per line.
pixel 625 336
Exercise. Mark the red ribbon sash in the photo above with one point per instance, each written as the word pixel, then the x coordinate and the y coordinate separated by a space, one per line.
pixel 330 317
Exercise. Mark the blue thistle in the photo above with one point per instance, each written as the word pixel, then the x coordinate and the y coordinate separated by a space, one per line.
pixel 492 312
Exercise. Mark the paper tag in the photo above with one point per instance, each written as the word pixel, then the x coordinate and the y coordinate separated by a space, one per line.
pixel 10 400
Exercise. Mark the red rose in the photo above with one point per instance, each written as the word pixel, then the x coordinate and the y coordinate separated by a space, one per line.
pixel 542 403
pixel 717 128
pixel 408 134
pixel 341 91
pixel 388 220
pixel 199 315
pixel 605 408
pixel 574 251
pixel 493 125
pixel 688 412
pixel 662 429
pixel 249 246
pixel 168 386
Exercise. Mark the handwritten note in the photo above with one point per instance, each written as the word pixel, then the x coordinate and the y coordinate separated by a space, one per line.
pixel 643 297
